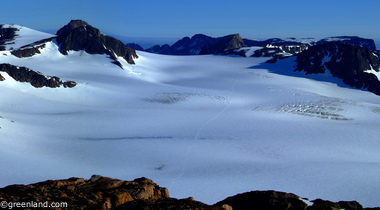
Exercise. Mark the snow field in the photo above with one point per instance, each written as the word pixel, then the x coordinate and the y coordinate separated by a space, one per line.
pixel 203 126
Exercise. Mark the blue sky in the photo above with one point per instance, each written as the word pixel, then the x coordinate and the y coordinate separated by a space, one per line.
pixel 179 18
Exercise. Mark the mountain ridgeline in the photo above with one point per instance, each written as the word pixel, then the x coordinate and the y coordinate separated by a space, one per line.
pixel 350 58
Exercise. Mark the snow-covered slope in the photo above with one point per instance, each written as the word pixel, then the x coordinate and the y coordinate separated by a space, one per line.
pixel 206 126
pixel 24 36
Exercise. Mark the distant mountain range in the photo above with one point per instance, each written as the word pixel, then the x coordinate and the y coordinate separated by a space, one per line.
pixel 350 58
pixel 232 44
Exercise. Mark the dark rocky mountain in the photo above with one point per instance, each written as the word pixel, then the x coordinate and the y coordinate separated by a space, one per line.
pixel 355 40
pixel 164 49
pixel 351 63
pixel 143 194
pixel 184 46
pixel 36 79
pixel 224 45
pixel 79 35
pixel 6 35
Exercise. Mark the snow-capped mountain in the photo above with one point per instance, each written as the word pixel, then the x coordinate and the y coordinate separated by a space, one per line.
pixel 203 125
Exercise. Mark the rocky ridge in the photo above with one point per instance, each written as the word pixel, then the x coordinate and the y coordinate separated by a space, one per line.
pixel 357 66
pixel 274 47
pixel 36 79
pixel 100 192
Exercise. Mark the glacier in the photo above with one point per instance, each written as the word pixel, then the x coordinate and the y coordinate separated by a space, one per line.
pixel 207 126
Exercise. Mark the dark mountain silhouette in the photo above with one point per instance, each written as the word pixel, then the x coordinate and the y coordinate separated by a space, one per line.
pixel 224 45
pixel 184 46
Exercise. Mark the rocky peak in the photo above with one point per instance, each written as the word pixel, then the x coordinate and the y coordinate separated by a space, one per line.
pixel 79 35
pixel 224 45
pixel 73 24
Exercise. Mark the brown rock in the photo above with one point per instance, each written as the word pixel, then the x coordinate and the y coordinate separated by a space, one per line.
pixel 264 200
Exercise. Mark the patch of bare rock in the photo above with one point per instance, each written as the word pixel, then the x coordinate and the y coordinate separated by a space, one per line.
pixel 100 192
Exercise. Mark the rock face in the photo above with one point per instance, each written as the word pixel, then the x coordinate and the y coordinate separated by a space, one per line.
pixel 6 34
pixel 36 79
pixel 224 45
pixel 353 64
pixel 79 35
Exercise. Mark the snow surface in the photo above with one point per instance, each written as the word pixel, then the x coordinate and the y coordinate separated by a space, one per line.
pixel 24 36
pixel 202 126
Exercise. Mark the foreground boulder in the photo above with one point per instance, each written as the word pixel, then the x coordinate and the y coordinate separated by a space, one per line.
pixel 270 200
pixel 143 194
pixel 96 193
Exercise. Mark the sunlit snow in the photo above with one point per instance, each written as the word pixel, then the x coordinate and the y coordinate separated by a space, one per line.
pixel 203 126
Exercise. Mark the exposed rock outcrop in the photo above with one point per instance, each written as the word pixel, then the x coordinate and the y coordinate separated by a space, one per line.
pixel 31 49
pixel 224 45
pixel 79 35
pixel 143 194
pixel 271 200
pixel 95 193
pixel 353 64
pixel 36 79
pixel 6 35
